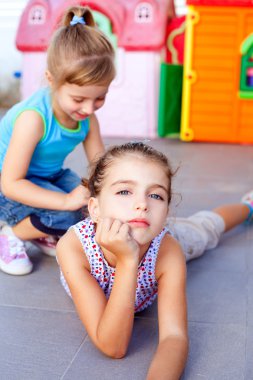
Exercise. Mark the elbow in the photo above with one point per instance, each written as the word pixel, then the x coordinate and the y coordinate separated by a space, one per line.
pixel 5 189
pixel 113 346
pixel 114 352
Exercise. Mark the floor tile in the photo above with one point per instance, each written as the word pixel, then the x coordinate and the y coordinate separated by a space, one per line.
pixel 37 344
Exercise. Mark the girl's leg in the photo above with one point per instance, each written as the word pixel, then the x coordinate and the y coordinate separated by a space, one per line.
pixel 197 233
pixel 49 223
pixel 24 230
pixel 60 221
pixel 233 214
pixel 67 180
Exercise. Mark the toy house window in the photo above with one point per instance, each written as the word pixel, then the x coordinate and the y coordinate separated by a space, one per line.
pixel 37 15
pixel 144 13
pixel 246 75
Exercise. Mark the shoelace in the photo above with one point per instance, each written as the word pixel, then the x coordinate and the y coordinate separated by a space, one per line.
pixel 16 246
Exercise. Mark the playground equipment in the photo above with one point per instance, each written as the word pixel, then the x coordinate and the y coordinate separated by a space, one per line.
pixel 218 70
pixel 213 46
pixel 169 115
pixel 137 30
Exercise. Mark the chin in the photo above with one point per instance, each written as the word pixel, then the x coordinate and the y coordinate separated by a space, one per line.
pixel 141 240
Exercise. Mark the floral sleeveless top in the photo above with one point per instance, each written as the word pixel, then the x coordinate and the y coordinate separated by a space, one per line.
pixel 147 287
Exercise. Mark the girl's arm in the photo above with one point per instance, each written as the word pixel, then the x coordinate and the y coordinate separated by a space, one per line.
pixel 109 322
pixel 93 144
pixel 27 132
pixel 171 354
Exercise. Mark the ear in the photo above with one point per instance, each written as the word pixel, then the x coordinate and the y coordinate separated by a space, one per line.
pixel 93 208
pixel 49 78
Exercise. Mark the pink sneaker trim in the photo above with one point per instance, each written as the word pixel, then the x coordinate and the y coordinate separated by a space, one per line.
pixel 13 258
pixel 6 254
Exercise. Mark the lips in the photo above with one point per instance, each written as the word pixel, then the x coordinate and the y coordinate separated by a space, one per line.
pixel 81 116
pixel 141 223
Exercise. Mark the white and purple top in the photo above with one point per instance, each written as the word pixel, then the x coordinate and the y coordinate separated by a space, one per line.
pixel 146 289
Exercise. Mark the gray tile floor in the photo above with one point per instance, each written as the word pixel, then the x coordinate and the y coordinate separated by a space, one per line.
pixel 41 336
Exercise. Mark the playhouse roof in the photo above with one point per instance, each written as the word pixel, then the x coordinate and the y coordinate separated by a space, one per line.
pixel 138 25
pixel 224 3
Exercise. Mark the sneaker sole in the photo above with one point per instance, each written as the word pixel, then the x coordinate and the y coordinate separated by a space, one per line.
pixel 15 271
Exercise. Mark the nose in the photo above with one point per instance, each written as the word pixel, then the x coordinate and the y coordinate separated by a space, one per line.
pixel 88 108
pixel 141 205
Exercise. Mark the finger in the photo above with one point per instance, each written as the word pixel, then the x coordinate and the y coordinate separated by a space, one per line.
pixel 103 227
pixel 125 231
pixel 115 227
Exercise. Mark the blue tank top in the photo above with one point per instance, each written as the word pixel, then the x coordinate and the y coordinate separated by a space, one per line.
pixel 57 141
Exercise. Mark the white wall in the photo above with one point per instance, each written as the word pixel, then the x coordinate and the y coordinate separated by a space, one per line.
pixel 180 6
pixel 10 57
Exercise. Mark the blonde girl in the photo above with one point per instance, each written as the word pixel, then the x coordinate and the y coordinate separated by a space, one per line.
pixel 39 199
pixel 115 263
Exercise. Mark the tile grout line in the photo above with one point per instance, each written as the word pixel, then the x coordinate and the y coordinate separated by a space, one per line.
pixel 38 308
pixel 71 362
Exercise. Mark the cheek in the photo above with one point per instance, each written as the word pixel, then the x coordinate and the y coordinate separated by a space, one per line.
pixel 161 215
pixel 65 104
pixel 114 208
pixel 99 104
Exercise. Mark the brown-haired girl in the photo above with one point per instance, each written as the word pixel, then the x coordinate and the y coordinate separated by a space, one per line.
pixel 116 262
pixel 39 199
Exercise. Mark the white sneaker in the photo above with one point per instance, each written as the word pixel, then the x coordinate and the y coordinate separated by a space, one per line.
pixel 13 257
pixel 47 245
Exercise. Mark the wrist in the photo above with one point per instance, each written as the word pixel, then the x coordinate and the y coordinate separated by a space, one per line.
pixel 131 261
pixel 64 202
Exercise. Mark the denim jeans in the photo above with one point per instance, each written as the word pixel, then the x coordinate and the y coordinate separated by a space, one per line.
pixel 65 181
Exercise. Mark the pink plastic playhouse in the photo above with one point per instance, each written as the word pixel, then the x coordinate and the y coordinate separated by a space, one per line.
pixel 137 29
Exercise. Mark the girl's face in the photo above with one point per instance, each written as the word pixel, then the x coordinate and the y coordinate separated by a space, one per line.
pixel 76 103
pixel 135 191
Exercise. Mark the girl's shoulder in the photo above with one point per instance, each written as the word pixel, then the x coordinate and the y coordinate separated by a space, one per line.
pixel 170 256
pixel 39 99
pixel 159 238
pixel 85 232
pixel 38 102
pixel 70 248
pixel 85 228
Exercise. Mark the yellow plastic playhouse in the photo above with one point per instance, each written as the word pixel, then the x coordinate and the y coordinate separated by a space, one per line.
pixel 217 102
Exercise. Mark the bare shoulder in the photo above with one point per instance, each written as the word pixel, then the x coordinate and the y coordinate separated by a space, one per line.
pixel 32 120
pixel 33 116
pixel 70 252
pixel 170 257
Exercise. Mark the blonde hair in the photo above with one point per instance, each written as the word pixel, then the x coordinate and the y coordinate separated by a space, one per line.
pixel 80 54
